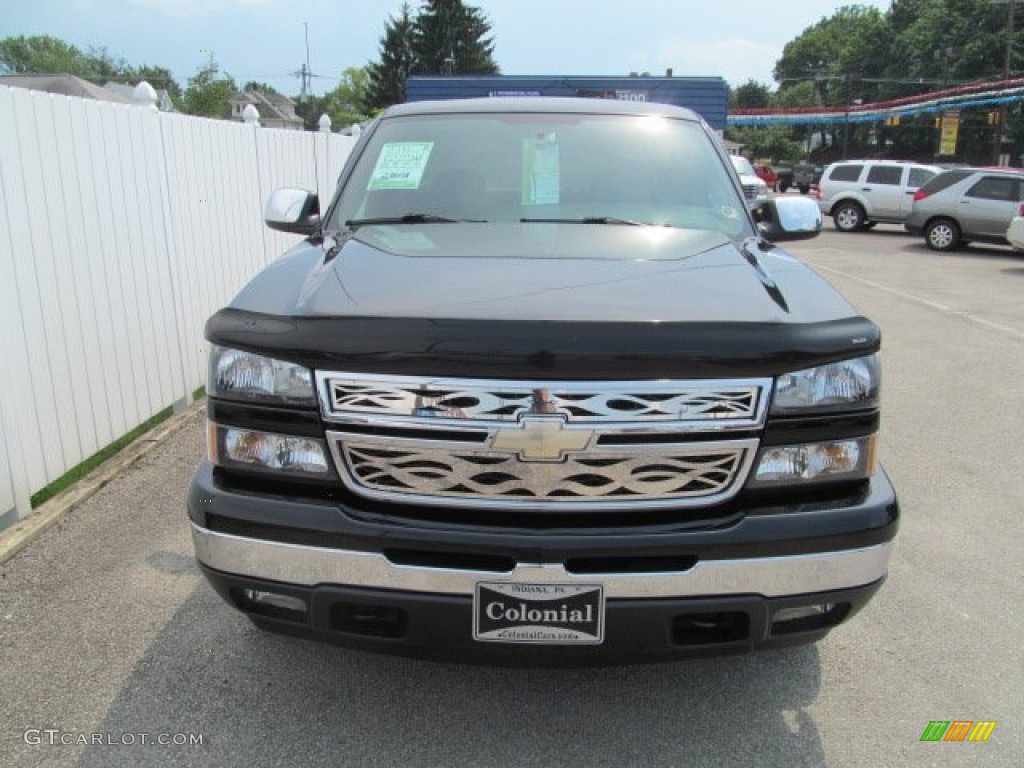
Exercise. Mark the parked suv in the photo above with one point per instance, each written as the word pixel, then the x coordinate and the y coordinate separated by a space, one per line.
pixel 967 204
pixel 508 405
pixel 858 194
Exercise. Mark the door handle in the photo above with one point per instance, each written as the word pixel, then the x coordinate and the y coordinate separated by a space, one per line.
pixel 865 189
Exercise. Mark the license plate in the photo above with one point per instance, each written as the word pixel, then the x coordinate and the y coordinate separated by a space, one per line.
pixel 545 614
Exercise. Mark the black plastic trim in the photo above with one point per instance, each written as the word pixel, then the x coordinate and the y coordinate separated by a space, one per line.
pixel 861 519
pixel 440 626
pixel 285 421
pixel 518 349
pixel 812 429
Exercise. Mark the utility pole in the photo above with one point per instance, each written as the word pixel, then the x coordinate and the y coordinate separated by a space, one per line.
pixel 846 123
pixel 997 138
pixel 304 73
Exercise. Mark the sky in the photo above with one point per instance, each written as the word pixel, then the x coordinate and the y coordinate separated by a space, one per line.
pixel 263 40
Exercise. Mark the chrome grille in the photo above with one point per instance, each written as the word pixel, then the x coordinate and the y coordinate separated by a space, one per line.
pixel 532 445
pixel 750 191
pixel 608 479
pixel 344 395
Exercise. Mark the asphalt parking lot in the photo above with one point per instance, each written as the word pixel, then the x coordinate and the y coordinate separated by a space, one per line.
pixel 107 628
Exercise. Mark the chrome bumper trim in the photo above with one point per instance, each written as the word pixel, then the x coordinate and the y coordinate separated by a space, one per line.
pixel 768 576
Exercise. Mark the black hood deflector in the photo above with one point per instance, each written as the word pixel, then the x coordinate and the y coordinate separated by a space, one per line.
pixel 556 350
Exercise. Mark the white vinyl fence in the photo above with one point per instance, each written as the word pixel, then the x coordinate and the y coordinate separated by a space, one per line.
pixel 121 230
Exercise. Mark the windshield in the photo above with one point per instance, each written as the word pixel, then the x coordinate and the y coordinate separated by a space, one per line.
pixel 742 165
pixel 528 167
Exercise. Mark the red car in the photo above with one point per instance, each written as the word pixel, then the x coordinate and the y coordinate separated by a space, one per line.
pixel 768 175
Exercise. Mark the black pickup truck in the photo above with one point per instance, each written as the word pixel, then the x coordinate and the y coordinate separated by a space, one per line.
pixel 537 388
pixel 802 176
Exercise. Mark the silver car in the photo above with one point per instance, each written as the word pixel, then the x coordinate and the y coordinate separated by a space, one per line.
pixel 966 204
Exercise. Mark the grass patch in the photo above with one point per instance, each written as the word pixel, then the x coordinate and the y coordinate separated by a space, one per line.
pixel 198 394
pixel 79 471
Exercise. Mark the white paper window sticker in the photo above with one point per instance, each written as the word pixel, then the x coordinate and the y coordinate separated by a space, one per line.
pixel 541 170
pixel 400 165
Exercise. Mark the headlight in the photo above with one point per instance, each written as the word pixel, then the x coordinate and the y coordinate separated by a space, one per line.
pixel 251 449
pixel 852 459
pixel 241 375
pixel 836 386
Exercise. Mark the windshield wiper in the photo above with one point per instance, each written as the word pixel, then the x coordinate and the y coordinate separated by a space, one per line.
pixel 409 218
pixel 590 220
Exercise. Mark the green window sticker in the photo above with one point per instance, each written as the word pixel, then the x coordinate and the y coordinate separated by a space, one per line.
pixel 541 170
pixel 400 165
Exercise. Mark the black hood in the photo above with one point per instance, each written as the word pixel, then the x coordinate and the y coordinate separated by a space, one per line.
pixel 579 301
pixel 545 272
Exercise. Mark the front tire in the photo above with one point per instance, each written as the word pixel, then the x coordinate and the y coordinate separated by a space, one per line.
pixel 804 189
pixel 942 235
pixel 848 217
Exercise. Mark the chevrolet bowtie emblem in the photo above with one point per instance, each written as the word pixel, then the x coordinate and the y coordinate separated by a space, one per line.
pixel 541 439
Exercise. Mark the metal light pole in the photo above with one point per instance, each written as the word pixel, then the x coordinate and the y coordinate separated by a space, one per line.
pixel 997 137
pixel 846 123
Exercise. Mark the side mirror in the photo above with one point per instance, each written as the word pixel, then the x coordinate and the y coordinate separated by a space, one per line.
pixel 292 210
pixel 787 218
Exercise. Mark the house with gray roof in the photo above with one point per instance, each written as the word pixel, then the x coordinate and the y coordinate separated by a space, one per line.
pixel 163 99
pixel 276 111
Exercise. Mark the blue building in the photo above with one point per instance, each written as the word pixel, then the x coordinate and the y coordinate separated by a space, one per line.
pixel 707 96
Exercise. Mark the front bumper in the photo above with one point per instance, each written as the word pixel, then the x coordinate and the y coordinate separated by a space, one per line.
pixel 406 588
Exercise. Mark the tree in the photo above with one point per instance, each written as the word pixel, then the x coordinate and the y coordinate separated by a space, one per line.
pixel 838 51
pixel 43 54
pixel 209 92
pixel 103 67
pixel 450 38
pixel 343 104
pixel 255 85
pixel 445 37
pixel 947 40
pixel 386 78
pixel 775 143
pixel 48 55
pixel 160 78
pixel 750 95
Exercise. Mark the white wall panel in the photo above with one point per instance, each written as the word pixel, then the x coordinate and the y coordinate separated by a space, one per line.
pixel 124 230
pixel 15 381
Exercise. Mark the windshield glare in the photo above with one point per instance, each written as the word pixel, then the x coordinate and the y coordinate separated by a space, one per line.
pixel 524 166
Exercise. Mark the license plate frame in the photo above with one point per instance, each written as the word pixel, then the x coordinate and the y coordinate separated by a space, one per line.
pixel 538 613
